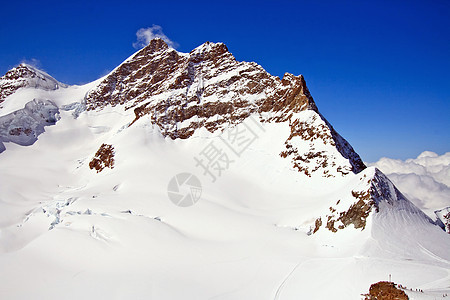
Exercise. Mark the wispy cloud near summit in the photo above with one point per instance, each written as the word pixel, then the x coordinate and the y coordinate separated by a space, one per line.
pixel 32 62
pixel 145 35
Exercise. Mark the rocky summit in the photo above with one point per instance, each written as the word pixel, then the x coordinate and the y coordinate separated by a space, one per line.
pixel 208 88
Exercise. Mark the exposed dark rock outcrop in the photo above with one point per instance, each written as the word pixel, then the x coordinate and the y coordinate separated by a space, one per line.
pixel 104 158
pixel 385 290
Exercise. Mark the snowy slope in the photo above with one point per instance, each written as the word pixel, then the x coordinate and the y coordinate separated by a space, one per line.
pixel 68 231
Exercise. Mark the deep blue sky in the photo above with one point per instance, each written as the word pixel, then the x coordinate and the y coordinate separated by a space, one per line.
pixel 378 70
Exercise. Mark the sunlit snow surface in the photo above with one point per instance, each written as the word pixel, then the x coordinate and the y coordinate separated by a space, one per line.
pixel 67 232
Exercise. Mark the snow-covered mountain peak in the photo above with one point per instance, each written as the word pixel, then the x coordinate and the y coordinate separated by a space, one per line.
pixel 208 88
pixel 284 207
pixel 26 76
pixel 155 45
pixel 208 50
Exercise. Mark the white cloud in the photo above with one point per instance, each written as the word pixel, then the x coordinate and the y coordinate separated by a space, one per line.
pixel 32 62
pixel 424 180
pixel 145 35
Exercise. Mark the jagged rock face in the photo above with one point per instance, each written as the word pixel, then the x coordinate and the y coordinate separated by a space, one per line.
pixel 208 88
pixel 375 189
pixel 208 82
pixel 356 214
pixel 26 76
pixel 308 159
